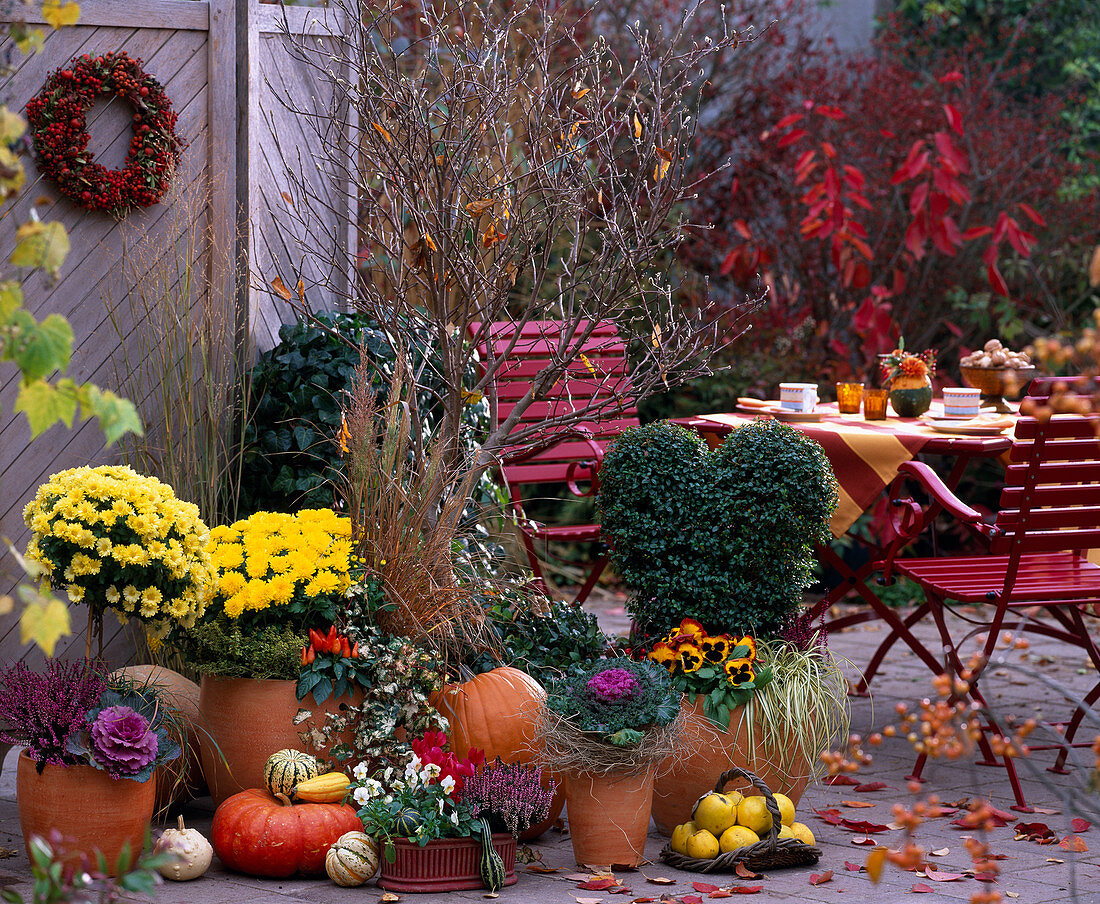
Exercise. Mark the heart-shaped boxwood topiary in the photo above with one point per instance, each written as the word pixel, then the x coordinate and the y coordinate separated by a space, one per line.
pixel 723 536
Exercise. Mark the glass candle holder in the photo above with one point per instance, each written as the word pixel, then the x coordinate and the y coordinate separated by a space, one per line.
pixel 874 404
pixel 849 396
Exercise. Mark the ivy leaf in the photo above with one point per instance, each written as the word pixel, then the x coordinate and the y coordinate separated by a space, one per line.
pixel 44 621
pixel 45 404
pixel 42 245
pixel 60 14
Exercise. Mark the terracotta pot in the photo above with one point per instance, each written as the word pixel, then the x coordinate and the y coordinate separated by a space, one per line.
pixel 910 396
pixel 609 816
pixel 710 751
pixel 91 810
pixel 446 864
pixel 245 721
pixel 498 713
pixel 179 780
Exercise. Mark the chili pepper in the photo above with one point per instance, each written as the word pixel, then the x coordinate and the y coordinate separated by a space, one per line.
pixel 355 650
pixel 308 655
pixel 316 639
pixel 345 648
pixel 333 641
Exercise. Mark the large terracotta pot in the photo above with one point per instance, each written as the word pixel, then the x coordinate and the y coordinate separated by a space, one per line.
pixel 498 712
pixel 245 721
pixel 179 780
pixel 444 864
pixel 707 751
pixel 609 816
pixel 91 810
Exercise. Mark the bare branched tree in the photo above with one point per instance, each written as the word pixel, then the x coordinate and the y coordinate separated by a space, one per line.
pixel 509 167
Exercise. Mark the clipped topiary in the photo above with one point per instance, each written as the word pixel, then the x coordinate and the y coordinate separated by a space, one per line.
pixel 725 537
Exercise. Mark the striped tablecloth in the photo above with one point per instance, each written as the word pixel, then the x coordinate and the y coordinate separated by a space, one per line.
pixel 865 455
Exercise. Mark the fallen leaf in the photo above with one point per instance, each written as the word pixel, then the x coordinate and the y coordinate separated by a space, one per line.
pixel 747 889
pixel 490 894
pixel 744 872
pixel 840 780
pixel 863 840
pixel 921 888
pixel 577 877
pixel 1001 814
pixel 857 803
pixel 704 887
pixel 388 898
pixel 597 884
pixel 721 893
pixel 939 852
pixel 861 825
pixel 1035 831
pixel 659 880
pixel 934 812
pixel 936 876
pixel 588 900
pixel 691 899
pixel 852 867
pixel 1080 825
pixel 831 815
pixel 875 862
pixel 1073 843
pixel 539 868
pixel 875 786
pixel 1054 860
pixel 1012 894
pixel 644 901
pixel 1045 811
pixel 821 878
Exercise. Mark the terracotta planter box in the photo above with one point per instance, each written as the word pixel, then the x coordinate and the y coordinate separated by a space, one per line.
pixel 447 864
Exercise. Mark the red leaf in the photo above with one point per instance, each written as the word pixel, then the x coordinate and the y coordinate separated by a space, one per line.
pixel 917 199
pixel 1032 214
pixel 954 117
pixel 720 894
pixel 744 872
pixel 1080 825
pixel 691 899
pixel 742 229
pixel 821 878
pixel 861 825
pixel 704 887
pixel 996 280
pixel 951 78
pixel 791 137
pixel 976 232
pixel 830 112
pixel 831 816
pixel 937 876
pixel 864 840
pixel 920 887
pixel 1074 843
pixel 1033 831
pixel 597 884
pixel 788 121
pixel 857 803
pixel 840 780
pixel 746 889
pixel 852 867
pixel 915 237
pixel 875 786
pixel 644 901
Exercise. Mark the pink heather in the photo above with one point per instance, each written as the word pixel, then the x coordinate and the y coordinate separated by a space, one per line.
pixel 613 685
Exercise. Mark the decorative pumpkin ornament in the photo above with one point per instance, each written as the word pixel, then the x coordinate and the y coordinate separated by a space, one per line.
pixel 261 835
pixel 288 768
pixel 330 788
pixel 57 121
pixel 189 850
pixel 407 822
pixel 352 860
pixel 491 868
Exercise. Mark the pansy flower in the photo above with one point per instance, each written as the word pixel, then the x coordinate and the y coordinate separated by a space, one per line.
pixel 692 628
pixel 715 649
pixel 664 655
pixel 691 657
pixel 746 648
pixel 739 671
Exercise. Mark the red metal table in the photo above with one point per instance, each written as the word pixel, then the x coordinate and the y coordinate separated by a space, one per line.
pixel 865 456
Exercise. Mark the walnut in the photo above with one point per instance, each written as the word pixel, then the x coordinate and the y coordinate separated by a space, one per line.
pixel 993 345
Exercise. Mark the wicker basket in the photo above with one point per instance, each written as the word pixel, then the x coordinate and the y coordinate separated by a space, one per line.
pixel 772 852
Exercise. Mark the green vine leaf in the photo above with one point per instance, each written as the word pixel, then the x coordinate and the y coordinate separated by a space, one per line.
pixel 45 404
pixel 44 245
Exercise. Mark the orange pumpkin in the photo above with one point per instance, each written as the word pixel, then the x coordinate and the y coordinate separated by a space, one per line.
pixel 498 712
pixel 262 835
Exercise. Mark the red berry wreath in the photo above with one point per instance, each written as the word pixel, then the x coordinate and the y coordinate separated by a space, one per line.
pixel 59 131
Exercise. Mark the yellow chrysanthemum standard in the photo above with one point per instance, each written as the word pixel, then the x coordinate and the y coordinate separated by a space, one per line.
pixel 273 560
pixel 715 649
pixel 691 657
pixel 664 655
pixel 113 538
pixel 739 671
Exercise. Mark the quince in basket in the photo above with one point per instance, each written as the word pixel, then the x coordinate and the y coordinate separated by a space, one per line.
pixel 716 812
pixel 702 845
pixel 737 837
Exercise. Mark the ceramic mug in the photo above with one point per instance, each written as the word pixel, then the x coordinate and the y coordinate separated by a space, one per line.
pixel 798 396
pixel 959 402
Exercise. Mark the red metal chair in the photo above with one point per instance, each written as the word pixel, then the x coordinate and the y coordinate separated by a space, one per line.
pixel 1036 576
pixel 596 376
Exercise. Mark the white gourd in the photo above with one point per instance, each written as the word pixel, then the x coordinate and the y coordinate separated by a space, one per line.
pixel 189 851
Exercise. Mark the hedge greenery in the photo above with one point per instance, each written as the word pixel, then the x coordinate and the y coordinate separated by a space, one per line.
pixel 726 537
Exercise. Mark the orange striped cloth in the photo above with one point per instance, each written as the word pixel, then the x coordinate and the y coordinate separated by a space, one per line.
pixel 865 455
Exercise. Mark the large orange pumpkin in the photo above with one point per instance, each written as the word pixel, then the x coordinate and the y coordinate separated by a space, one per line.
pixel 262 835
pixel 498 712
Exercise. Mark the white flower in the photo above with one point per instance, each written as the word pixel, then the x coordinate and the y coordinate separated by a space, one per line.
pixel 454 818
pixel 374 787
pixel 441 802
pixel 447 783
pixel 361 796
pixel 359 772
pixel 430 772
pixel 388 799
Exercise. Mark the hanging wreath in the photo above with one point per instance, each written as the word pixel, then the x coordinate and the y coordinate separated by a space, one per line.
pixel 59 131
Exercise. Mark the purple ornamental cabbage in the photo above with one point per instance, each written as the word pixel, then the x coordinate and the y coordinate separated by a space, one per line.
pixel 613 686
pixel 122 741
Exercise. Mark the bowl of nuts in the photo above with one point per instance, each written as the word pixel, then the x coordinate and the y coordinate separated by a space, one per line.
pixel 997 371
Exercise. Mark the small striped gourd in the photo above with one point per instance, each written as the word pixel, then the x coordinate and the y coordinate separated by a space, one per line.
pixel 288 768
pixel 406 823
pixel 352 860
pixel 330 788
pixel 491 867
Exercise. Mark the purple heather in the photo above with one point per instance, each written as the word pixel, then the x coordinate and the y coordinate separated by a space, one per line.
pixel 511 794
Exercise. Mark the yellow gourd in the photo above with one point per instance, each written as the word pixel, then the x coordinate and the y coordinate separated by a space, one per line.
pixel 330 788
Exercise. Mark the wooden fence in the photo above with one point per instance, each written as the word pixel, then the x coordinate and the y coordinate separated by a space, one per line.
pixel 224 64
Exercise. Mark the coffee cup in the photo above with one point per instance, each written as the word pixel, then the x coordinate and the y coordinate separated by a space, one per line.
pixel 798 396
pixel 960 402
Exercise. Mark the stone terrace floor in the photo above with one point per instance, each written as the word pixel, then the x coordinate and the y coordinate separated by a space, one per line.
pixel 1030 872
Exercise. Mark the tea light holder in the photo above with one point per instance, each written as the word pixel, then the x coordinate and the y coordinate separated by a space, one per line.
pixel 874 404
pixel 849 397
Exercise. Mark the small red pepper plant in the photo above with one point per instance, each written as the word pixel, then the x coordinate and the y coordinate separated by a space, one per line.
pixel 330 666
